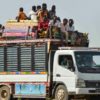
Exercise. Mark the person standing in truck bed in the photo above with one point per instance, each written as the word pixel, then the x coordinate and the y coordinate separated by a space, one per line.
pixel 32 13
pixel 52 12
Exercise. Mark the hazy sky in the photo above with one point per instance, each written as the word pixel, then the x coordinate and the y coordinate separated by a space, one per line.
pixel 86 13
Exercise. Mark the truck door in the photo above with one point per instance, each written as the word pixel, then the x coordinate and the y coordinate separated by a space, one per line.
pixel 64 71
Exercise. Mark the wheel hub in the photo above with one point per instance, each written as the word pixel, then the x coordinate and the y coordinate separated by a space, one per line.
pixel 4 94
pixel 60 94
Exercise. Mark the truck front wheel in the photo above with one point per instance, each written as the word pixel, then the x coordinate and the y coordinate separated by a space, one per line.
pixel 4 93
pixel 61 93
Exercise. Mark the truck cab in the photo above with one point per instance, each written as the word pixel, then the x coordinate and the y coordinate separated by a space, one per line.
pixel 79 76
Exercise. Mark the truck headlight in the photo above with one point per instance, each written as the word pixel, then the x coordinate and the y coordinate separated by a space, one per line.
pixel 80 83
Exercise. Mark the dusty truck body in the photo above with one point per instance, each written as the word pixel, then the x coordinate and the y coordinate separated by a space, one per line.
pixel 33 69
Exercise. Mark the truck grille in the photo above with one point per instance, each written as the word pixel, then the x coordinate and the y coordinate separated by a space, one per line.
pixel 92 84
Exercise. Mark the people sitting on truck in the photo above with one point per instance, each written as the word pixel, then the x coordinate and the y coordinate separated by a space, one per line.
pixel 49 25
pixel 71 32
pixel 43 28
pixel 55 22
pixel 38 9
pixel 32 13
pixel 84 39
pixel 21 15
pixel 57 34
pixel 34 32
pixel 52 12
pixel 1 30
pixel 64 29
pixel 78 38
pixel 71 25
pixel 43 13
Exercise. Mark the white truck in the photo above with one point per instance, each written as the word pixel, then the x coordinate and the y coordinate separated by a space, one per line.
pixel 35 69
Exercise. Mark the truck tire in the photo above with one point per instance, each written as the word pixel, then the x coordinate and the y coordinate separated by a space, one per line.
pixel 61 93
pixel 4 93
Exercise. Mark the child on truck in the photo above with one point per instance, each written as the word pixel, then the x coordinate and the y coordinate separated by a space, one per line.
pixel 21 15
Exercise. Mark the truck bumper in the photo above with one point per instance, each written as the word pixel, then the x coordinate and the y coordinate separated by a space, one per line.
pixel 88 91
pixel 29 96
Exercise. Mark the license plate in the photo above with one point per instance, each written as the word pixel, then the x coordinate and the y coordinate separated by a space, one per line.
pixel 30 89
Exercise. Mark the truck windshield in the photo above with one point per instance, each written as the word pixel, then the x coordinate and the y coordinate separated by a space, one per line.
pixel 88 62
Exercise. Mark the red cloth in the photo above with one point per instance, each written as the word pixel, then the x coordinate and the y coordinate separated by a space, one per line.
pixel 43 25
